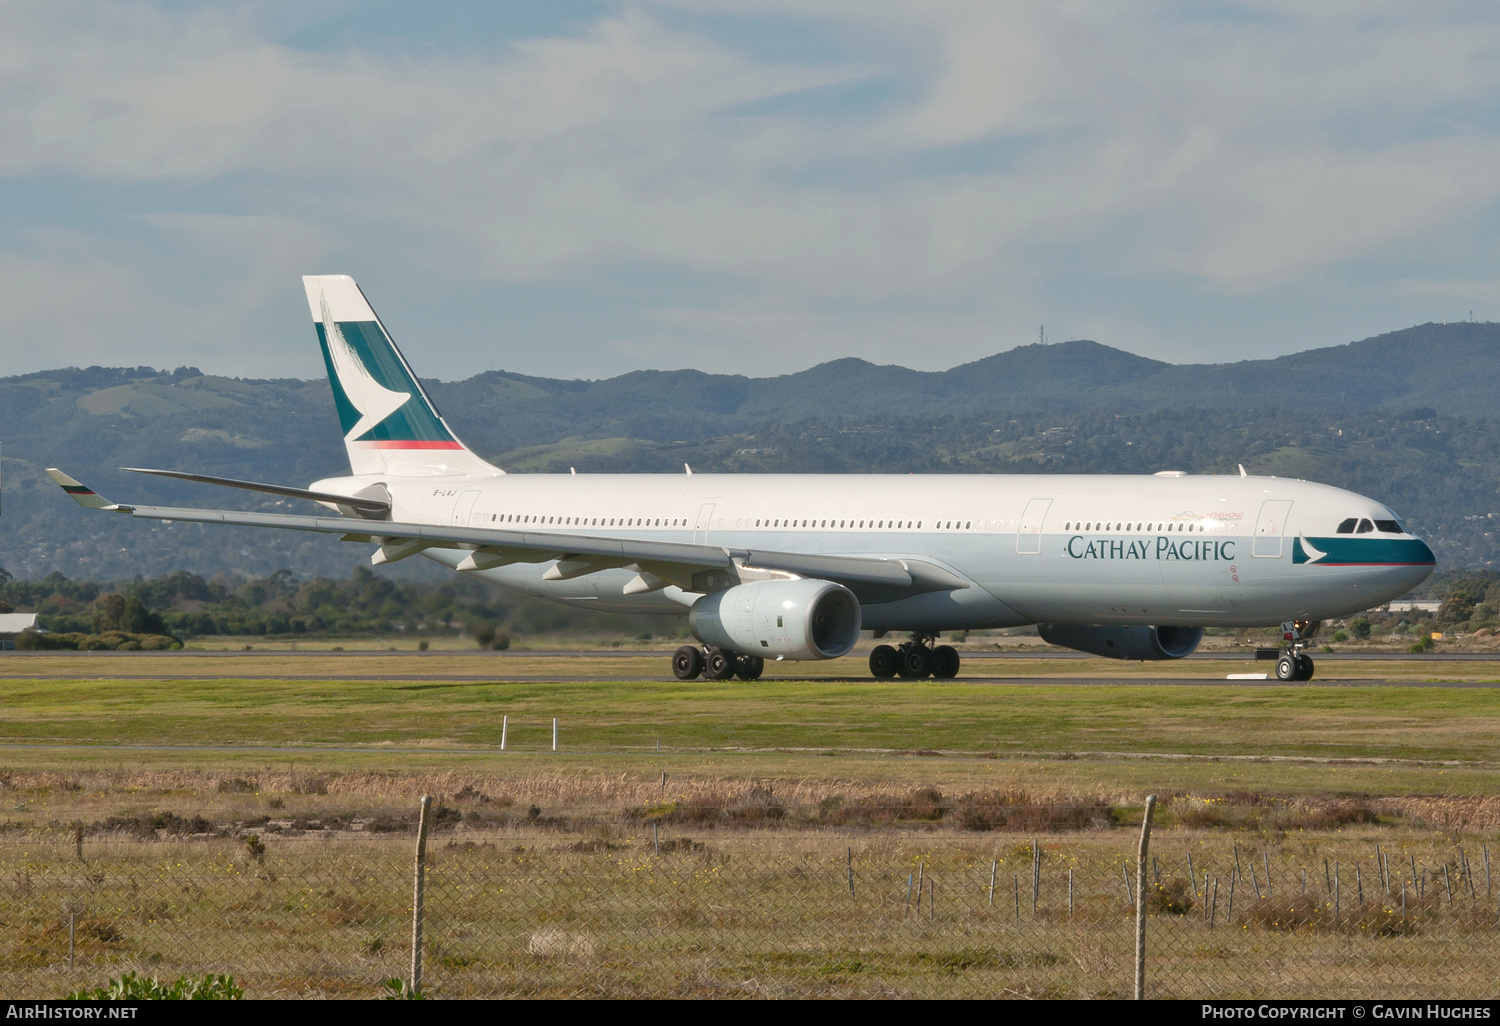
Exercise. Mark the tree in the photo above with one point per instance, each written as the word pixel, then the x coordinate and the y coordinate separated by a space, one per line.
pixel 1458 607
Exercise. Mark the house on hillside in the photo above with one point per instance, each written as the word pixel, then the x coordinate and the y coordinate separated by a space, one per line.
pixel 12 624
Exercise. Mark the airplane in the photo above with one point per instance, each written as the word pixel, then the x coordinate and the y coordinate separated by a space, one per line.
pixel 795 566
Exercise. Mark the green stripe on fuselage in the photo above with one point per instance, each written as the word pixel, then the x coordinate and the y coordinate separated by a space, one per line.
pixel 1364 551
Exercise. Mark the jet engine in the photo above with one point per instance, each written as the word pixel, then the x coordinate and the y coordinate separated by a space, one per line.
pixel 1123 642
pixel 802 619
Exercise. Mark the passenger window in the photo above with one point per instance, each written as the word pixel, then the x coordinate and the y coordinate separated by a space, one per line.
pixel 1365 527
pixel 1347 527
pixel 1388 527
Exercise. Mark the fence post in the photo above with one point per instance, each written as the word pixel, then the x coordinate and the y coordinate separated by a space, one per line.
pixel 851 871
pixel 419 887
pixel 994 864
pixel 72 921
pixel 1036 874
pixel 1140 900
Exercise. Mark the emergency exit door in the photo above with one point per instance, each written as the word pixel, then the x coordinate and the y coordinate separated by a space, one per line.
pixel 1029 534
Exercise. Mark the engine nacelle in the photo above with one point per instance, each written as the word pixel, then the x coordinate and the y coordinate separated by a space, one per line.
pixel 792 619
pixel 1123 642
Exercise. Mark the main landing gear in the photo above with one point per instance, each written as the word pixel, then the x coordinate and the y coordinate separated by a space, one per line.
pixel 915 659
pixel 1292 664
pixel 715 663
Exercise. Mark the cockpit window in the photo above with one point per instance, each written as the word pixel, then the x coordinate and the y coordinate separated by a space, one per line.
pixel 1388 527
pixel 1365 527
pixel 1347 527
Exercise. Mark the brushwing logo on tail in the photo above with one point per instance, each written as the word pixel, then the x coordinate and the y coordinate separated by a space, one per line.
pixel 373 400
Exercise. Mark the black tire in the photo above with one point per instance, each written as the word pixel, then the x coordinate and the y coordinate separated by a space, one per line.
pixel 720 664
pixel 687 663
pixel 916 662
pixel 945 662
pixel 749 667
pixel 1304 667
pixel 883 661
pixel 1286 668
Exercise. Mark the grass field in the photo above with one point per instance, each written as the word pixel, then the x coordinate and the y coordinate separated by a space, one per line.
pixel 156 769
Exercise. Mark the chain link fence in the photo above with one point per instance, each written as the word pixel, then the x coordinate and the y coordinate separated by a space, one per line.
pixel 648 909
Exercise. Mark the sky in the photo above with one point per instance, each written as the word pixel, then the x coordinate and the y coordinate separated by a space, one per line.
pixel 579 189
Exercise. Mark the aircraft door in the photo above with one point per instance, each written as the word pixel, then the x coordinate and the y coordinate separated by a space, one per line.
pixel 700 526
pixel 463 506
pixel 1029 535
pixel 1269 526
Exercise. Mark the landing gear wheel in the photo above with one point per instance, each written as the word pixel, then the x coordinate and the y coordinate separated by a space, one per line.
pixel 749 667
pixel 1304 667
pixel 687 663
pixel 719 665
pixel 916 662
pixel 945 662
pixel 883 661
pixel 1286 667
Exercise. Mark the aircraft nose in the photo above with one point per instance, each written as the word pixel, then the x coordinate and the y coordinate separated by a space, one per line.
pixel 1410 567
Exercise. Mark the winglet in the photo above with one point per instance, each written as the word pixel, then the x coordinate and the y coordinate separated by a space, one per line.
pixel 1242 471
pixel 82 494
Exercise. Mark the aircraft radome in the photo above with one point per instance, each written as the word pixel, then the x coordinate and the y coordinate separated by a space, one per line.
pixel 794 566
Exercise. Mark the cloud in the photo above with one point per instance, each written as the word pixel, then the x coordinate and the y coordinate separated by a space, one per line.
pixel 920 177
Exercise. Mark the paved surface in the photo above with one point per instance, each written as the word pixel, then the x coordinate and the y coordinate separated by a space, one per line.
pixel 419 681
pixel 6 657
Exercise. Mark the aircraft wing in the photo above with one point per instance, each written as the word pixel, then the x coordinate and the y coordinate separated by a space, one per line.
pixel 693 568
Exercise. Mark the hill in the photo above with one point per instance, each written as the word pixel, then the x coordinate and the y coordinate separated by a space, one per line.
pixel 1404 416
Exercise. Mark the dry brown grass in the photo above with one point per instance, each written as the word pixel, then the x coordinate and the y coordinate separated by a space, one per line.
pixel 147 803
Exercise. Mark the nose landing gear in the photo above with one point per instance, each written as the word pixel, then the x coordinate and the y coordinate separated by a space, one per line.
pixel 1293 665
pixel 915 659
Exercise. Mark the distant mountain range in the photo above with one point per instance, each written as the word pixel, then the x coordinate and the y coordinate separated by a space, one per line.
pixel 1453 369
pixel 854 416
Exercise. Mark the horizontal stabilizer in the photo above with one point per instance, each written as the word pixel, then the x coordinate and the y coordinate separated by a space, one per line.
pixel 361 503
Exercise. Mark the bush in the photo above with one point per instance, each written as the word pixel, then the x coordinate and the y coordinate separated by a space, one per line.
pixel 397 989
pixel 1360 628
pixel 1169 897
pixel 107 642
pixel 131 987
pixel 1340 636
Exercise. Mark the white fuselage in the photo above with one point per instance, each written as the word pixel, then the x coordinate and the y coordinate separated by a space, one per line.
pixel 1188 550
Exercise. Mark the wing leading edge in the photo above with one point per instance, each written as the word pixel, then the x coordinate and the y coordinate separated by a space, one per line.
pixel 657 564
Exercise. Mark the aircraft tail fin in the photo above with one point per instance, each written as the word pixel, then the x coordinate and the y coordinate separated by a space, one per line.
pixel 390 423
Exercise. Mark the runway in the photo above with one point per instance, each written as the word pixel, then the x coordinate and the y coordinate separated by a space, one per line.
pixel 460 680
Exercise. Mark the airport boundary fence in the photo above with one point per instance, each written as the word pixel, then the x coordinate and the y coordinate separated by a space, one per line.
pixel 650 910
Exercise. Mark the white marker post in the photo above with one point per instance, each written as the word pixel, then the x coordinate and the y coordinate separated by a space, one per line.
pixel 554 733
pixel 504 729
